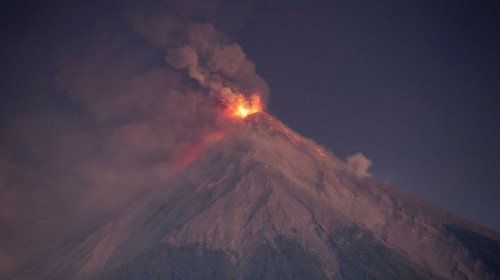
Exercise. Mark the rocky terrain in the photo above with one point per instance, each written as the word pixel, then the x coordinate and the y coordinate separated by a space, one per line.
pixel 267 203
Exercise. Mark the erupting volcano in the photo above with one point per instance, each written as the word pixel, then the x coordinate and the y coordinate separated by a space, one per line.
pixel 156 159
pixel 266 203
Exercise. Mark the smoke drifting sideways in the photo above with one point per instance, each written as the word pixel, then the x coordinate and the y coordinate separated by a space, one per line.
pixel 358 164
pixel 142 103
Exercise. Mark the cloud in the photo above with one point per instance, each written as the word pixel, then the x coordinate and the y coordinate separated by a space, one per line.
pixel 358 164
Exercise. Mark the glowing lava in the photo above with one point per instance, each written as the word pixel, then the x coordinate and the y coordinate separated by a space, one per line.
pixel 239 106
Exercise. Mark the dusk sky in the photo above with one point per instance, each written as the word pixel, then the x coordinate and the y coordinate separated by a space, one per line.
pixel 413 85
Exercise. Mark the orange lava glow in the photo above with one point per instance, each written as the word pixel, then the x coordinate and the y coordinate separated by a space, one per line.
pixel 239 106
pixel 321 152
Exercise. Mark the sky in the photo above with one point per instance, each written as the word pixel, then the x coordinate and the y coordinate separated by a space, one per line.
pixel 413 85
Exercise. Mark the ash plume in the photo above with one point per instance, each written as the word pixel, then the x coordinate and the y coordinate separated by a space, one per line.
pixel 358 164
pixel 139 104
pixel 208 56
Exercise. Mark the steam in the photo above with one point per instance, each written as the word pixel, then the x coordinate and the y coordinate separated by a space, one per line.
pixel 358 164
pixel 130 120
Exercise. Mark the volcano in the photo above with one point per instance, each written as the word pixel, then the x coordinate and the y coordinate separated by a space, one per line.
pixel 266 203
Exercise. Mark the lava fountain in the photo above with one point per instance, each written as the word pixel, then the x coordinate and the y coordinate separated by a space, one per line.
pixel 239 106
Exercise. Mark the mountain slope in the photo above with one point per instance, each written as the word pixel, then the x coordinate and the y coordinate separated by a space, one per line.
pixel 266 203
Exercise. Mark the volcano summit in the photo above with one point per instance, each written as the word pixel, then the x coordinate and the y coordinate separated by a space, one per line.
pixel 266 203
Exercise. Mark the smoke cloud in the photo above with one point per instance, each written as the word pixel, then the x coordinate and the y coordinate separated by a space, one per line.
pixel 209 58
pixel 138 103
pixel 358 164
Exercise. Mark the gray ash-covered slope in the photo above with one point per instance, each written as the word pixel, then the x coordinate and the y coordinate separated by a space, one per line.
pixel 266 203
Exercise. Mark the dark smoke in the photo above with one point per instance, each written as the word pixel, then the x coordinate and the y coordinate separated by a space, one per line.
pixel 208 57
pixel 139 103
